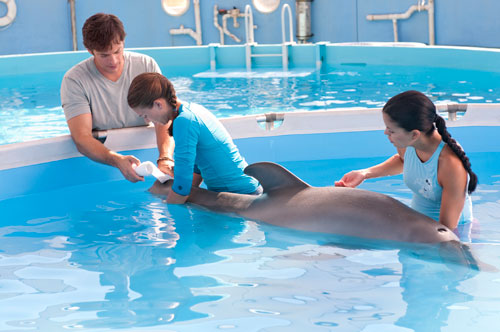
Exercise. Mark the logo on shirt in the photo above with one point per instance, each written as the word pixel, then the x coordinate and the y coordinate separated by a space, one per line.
pixel 426 189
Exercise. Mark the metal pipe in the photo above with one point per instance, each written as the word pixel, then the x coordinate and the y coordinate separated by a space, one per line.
pixel 73 24
pixel 196 35
pixel 185 31
pixel 197 18
pixel 224 27
pixel 303 14
pixel 217 25
pixel 430 12
pixel 403 16
pixel 226 14
pixel 395 29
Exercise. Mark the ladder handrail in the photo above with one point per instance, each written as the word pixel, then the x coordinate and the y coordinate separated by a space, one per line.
pixel 249 34
pixel 249 25
pixel 290 24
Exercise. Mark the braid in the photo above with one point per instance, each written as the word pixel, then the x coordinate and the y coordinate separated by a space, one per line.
pixel 457 149
pixel 168 91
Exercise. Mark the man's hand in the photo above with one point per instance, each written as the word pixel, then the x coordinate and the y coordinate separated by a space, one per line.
pixel 124 164
pixel 81 132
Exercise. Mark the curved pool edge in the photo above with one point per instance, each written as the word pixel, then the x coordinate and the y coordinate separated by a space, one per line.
pixel 53 163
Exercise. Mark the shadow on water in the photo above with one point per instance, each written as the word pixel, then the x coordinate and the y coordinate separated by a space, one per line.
pixel 431 274
pixel 140 266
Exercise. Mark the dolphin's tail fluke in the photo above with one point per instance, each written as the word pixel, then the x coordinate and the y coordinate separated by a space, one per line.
pixel 273 176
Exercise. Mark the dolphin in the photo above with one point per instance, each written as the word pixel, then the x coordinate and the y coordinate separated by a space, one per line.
pixel 287 201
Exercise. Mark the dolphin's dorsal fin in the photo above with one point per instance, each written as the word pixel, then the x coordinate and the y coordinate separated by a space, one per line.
pixel 273 176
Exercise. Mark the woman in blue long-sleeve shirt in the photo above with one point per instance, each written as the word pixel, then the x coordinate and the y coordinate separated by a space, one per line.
pixel 204 151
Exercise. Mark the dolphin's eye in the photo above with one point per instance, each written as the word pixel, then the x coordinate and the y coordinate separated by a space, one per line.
pixel 441 230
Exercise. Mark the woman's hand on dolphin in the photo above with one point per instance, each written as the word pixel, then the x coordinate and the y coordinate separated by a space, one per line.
pixel 351 179
pixel 124 164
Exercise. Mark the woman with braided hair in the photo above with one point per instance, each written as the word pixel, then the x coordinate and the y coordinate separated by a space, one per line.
pixel 434 165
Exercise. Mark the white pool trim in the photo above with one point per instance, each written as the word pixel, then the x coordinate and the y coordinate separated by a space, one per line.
pixel 240 127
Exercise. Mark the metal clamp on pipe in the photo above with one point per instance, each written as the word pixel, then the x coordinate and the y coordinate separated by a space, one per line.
pixel 270 121
pixel 453 109
pixel 100 135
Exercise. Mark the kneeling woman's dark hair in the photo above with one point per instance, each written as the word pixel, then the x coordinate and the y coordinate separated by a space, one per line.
pixel 148 87
pixel 412 110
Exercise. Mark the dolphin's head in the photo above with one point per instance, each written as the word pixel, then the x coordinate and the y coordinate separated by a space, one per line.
pixel 445 234
pixel 422 229
pixel 458 253
pixel 161 189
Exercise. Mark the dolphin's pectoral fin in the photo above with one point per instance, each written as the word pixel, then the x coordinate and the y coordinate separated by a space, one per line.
pixel 273 176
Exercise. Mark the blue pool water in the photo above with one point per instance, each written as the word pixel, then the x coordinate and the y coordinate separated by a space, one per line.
pixel 111 256
pixel 30 104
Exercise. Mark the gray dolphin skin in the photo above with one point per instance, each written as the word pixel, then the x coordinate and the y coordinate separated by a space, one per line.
pixel 288 201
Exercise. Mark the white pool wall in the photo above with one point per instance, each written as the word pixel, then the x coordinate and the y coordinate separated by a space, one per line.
pixel 52 163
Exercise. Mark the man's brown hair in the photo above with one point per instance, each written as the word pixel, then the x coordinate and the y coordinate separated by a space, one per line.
pixel 101 30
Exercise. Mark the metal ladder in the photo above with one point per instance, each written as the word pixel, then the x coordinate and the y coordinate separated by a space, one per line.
pixel 250 41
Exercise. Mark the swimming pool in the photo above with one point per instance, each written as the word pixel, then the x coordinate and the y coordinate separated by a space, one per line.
pixel 83 249
pixel 30 103
pixel 106 255
pixel 109 255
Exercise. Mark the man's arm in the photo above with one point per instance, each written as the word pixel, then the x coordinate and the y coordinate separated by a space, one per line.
pixel 81 131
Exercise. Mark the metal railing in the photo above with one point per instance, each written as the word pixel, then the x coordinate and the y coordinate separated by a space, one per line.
pixel 250 40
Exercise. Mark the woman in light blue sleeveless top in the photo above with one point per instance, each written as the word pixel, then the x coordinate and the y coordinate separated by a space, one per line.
pixel 422 179
pixel 434 165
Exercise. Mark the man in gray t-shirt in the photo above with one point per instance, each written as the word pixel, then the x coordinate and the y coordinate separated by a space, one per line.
pixel 94 95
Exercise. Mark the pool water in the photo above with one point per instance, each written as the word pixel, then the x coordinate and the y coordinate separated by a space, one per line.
pixel 30 104
pixel 111 256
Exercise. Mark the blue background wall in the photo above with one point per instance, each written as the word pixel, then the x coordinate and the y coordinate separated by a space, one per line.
pixel 44 25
